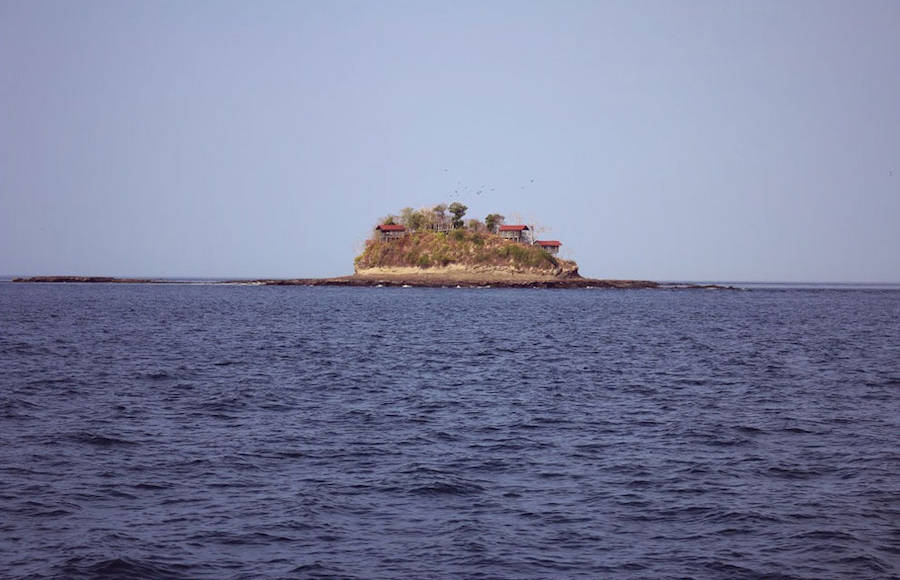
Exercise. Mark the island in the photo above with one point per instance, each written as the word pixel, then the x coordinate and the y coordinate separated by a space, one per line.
pixel 435 247
pixel 428 247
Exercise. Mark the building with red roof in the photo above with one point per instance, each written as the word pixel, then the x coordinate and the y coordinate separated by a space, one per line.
pixel 390 231
pixel 515 233
pixel 550 246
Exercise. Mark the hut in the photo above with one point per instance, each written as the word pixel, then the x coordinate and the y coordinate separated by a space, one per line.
pixel 515 233
pixel 549 246
pixel 390 231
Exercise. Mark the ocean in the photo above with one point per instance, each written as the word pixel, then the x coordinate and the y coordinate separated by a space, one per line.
pixel 236 432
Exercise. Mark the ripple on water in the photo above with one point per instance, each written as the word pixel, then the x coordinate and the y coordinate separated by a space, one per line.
pixel 255 432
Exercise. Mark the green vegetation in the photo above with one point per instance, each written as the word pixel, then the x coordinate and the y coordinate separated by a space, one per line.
pixel 527 256
pixel 427 249
pixel 458 210
pixel 493 221
pixel 435 218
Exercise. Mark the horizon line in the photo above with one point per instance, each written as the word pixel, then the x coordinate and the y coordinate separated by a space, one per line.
pixel 10 277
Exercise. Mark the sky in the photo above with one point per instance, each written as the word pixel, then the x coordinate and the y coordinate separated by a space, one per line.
pixel 670 140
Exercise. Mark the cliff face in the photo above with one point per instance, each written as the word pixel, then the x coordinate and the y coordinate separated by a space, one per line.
pixel 461 252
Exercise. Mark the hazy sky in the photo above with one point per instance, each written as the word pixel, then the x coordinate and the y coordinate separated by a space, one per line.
pixel 664 140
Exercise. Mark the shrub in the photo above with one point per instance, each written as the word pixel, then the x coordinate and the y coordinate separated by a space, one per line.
pixel 442 257
pixel 430 249
pixel 525 255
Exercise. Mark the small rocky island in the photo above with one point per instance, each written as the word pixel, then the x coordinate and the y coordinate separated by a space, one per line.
pixel 435 247
pixel 428 247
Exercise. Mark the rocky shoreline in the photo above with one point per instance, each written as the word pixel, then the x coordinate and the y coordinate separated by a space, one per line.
pixel 420 281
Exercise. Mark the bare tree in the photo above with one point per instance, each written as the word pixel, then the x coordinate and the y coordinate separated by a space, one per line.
pixel 439 213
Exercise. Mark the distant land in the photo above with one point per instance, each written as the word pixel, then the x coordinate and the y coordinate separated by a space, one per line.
pixel 436 280
pixel 429 248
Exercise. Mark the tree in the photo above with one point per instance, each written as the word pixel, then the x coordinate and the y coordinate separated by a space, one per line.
pixel 405 215
pixel 414 220
pixel 419 219
pixel 475 225
pixel 458 210
pixel 439 215
pixel 492 221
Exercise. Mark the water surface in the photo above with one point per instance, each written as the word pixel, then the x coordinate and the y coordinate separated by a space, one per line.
pixel 242 432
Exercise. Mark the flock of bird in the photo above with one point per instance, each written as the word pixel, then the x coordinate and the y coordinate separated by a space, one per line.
pixel 461 189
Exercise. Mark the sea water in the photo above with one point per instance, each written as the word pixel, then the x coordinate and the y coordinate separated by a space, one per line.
pixel 206 431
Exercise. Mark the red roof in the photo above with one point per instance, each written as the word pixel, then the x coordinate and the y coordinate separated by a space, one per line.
pixel 513 228
pixel 545 243
pixel 390 228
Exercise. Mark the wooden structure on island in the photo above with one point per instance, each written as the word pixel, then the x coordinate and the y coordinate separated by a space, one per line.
pixel 549 246
pixel 390 231
pixel 515 233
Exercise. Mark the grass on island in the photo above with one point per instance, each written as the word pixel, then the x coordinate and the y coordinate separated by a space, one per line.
pixel 465 248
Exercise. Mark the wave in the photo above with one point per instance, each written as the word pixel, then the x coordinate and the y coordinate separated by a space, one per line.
pixel 124 568
pixel 98 440
pixel 460 488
